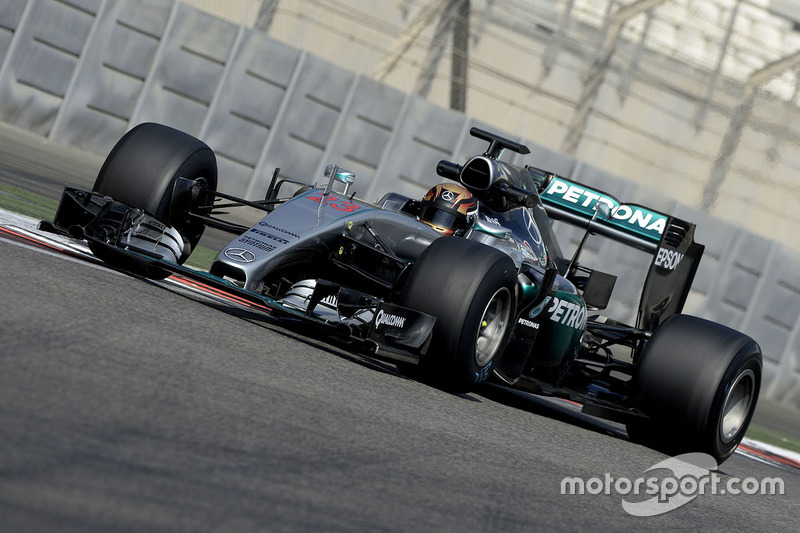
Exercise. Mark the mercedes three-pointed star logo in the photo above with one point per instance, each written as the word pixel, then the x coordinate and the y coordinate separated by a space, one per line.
pixel 240 255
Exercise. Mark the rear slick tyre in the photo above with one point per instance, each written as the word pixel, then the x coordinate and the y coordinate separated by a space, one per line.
pixel 698 382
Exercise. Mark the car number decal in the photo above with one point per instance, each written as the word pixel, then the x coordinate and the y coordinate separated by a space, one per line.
pixel 336 203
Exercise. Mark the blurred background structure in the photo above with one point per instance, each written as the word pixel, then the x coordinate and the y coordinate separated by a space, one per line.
pixel 696 99
pixel 687 106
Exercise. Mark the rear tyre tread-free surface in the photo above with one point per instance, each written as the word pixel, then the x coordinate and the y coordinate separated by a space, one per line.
pixel 698 382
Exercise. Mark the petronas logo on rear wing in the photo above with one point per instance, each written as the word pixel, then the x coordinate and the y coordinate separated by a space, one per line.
pixel 675 255
pixel 572 202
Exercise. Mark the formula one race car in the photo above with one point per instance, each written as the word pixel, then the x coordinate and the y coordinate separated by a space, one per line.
pixel 465 285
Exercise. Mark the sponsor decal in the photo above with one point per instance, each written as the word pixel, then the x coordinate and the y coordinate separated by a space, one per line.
pixel 384 318
pixel 528 323
pixel 493 220
pixel 264 224
pixel 255 243
pixel 269 236
pixel 448 195
pixel 536 311
pixel 148 232
pixel 240 255
pixel 156 224
pixel 572 194
pixel 633 218
pixel 568 313
pixel 669 259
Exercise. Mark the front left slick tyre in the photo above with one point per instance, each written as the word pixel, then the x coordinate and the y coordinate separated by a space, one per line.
pixel 470 289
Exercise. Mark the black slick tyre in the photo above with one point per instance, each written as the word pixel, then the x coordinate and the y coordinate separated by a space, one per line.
pixel 144 166
pixel 698 382
pixel 470 289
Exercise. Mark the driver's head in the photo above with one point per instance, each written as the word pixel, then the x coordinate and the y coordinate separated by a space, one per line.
pixel 448 208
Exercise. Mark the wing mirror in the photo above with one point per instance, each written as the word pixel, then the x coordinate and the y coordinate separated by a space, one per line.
pixel 334 173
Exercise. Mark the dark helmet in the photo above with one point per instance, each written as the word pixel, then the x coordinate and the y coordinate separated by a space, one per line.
pixel 448 208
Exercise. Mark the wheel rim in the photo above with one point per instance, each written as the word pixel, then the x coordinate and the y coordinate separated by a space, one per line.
pixel 493 325
pixel 737 406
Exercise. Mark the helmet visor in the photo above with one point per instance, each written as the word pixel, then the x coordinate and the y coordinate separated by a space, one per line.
pixel 437 217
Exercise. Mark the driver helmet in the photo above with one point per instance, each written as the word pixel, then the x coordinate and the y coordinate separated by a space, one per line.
pixel 448 208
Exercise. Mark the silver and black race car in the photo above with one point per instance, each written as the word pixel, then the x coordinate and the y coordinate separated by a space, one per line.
pixel 465 285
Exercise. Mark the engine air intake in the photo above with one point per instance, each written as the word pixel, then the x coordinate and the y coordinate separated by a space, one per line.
pixel 478 173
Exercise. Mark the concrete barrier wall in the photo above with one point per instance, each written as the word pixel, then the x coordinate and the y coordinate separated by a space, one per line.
pixel 82 72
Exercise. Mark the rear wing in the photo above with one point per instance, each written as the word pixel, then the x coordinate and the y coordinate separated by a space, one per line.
pixel 631 224
pixel 670 241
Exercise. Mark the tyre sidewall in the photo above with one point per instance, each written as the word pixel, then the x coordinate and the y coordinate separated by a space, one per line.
pixel 746 359
pixel 466 363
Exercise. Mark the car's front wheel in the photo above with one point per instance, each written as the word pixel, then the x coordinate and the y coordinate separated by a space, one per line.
pixel 470 289
pixel 142 171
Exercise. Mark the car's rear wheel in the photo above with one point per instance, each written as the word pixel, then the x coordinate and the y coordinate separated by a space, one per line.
pixel 470 289
pixel 698 383
pixel 142 171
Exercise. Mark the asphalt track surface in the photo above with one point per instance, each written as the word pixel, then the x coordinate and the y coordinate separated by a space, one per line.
pixel 127 406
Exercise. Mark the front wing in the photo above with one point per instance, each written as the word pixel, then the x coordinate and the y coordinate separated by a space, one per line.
pixel 392 332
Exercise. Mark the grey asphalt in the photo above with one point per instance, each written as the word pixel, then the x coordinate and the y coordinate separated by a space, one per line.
pixel 124 406
pixel 128 407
